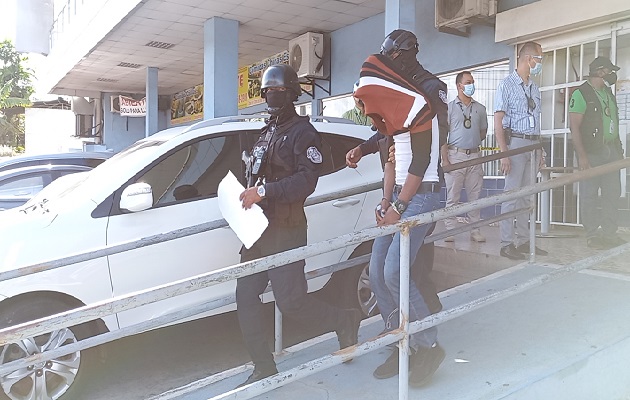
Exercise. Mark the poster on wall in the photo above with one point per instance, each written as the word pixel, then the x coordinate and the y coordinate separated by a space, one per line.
pixel 130 107
pixel 187 105
pixel 249 79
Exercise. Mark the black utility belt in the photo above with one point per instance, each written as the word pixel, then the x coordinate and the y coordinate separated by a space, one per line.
pixel 525 136
pixel 425 187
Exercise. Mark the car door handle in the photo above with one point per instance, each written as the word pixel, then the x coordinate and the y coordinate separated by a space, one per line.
pixel 345 203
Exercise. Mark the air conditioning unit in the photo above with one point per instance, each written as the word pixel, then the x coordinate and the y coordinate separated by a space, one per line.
pixel 306 55
pixel 461 13
pixel 115 103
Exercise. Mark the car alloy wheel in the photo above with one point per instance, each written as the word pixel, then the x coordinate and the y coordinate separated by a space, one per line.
pixel 42 380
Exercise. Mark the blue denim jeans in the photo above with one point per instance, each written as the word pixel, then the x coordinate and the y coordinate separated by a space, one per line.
pixel 385 272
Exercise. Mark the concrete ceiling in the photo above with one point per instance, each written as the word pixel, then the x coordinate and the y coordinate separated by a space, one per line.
pixel 118 62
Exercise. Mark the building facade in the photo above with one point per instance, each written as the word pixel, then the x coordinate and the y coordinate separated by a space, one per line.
pixel 159 48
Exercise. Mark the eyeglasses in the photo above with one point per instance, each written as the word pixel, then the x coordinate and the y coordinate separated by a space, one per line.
pixel 276 89
pixel 537 57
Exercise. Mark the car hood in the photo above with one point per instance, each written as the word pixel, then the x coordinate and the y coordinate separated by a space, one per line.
pixel 20 230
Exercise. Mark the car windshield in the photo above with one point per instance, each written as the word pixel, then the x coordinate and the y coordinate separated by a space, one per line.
pixel 86 181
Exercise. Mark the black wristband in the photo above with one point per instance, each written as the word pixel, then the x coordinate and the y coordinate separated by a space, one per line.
pixel 399 206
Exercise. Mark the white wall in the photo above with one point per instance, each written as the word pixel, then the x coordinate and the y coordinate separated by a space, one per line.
pixel 548 17
pixel 50 131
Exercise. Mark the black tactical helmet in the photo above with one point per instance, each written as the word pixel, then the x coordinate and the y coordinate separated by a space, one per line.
pixel 281 75
pixel 398 40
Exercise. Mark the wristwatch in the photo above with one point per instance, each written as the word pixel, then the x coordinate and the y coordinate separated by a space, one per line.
pixel 261 191
pixel 399 206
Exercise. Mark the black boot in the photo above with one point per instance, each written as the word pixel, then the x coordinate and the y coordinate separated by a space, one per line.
pixel 259 374
pixel 348 332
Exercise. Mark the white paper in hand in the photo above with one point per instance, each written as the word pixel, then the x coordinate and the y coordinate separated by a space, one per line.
pixel 247 224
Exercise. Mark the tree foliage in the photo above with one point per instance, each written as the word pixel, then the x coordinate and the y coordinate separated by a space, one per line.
pixel 15 90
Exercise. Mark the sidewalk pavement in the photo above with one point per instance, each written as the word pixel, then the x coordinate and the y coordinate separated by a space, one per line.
pixel 566 339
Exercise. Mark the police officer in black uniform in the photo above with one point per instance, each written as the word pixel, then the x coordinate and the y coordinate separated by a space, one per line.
pixel 284 167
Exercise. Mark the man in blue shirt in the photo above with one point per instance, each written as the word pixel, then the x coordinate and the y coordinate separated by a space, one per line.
pixel 517 124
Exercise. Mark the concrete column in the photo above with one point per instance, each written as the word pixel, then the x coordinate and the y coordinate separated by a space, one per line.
pixel 151 119
pixel 220 68
pixel 400 14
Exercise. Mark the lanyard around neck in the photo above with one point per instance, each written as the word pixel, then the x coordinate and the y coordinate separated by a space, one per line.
pixel 467 119
pixel 531 104
pixel 606 102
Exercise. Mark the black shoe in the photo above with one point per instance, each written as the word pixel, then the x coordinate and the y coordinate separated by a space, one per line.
pixel 348 333
pixel 424 363
pixel 524 248
pixel 510 252
pixel 259 374
pixel 613 241
pixel 389 368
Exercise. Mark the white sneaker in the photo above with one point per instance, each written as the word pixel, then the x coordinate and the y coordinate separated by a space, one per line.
pixel 477 236
pixel 449 239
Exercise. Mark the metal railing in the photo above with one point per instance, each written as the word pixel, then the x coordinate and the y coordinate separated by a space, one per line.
pixel 132 300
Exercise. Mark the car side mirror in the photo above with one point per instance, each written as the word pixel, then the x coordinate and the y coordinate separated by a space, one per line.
pixel 136 197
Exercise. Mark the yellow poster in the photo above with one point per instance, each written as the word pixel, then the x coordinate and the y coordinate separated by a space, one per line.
pixel 242 87
pixel 187 105
pixel 249 79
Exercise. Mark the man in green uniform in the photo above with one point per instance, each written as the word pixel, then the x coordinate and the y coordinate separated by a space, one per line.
pixel 357 114
pixel 594 119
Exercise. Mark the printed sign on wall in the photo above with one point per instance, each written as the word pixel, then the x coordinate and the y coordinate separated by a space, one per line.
pixel 187 105
pixel 249 79
pixel 132 108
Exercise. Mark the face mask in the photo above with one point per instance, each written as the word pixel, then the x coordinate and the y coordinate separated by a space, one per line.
pixel 536 70
pixel 610 79
pixel 469 89
pixel 276 100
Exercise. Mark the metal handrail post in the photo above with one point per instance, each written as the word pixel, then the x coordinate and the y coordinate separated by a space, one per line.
pixel 545 204
pixel 278 330
pixel 532 212
pixel 403 348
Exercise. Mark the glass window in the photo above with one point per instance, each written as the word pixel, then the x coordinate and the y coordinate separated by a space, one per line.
pixel 334 148
pixel 194 170
pixel 336 106
pixel 303 109
pixel 22 186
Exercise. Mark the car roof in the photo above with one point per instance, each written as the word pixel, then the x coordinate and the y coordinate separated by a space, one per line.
pixel 10 173
pixel 99 155
pixel 218 125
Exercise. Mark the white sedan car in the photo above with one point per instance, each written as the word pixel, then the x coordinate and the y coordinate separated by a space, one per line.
pixel 86 211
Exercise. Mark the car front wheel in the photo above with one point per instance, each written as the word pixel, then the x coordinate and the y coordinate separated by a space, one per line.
pixel 46 379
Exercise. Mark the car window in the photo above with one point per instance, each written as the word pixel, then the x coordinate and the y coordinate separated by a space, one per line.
pixel 87 162
pixel 22 186
pixel 334 149
pixel 195 170
pixel 336 146
pixel 20 164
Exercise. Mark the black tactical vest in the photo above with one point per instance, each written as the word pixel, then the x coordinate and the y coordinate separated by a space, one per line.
pixel 592 127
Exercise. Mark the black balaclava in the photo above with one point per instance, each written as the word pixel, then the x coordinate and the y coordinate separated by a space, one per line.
pixel 407 60
pixel 280 104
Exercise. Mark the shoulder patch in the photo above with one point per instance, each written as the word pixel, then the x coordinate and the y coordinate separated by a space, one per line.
pixel 443 96
pixel 314 155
